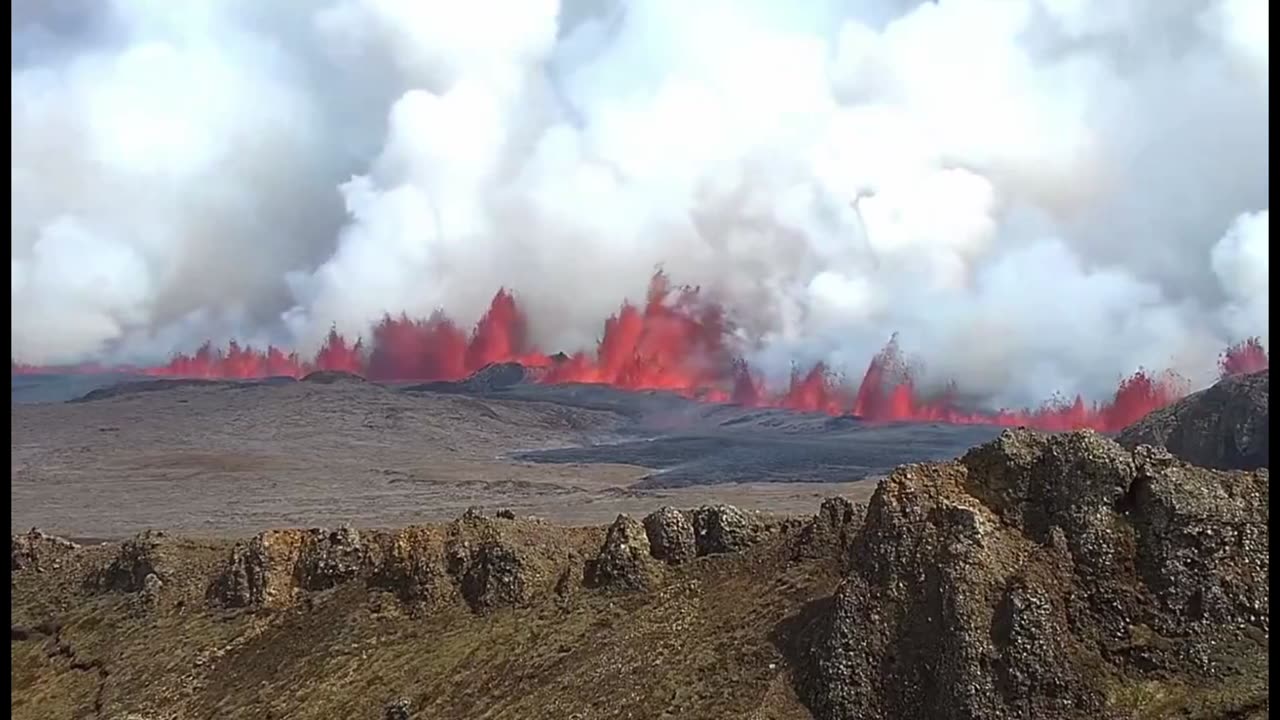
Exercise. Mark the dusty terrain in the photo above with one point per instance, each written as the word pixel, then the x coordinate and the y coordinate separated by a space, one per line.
pixel 225 459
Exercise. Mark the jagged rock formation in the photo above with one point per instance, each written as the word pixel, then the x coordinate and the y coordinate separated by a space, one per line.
pixel 146 554
pixel 723 529
pixel 624 561
pixel 1224 426
pixel 1049 577
pixel 35 549
pixel 670 534
pixel 832 530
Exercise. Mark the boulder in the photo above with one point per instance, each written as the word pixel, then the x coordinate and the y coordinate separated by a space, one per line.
pixel 147 553
pixel 671 536
pixel 623 562
pixel 723 529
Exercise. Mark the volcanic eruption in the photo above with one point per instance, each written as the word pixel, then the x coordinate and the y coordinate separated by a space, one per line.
pixel 676 341
pixel 1035 198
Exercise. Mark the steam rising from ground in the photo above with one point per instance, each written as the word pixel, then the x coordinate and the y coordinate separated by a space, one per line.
pixel 1037 196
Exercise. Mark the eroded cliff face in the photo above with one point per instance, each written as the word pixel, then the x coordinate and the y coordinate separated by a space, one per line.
pixel 1225 426
pixel 1051 576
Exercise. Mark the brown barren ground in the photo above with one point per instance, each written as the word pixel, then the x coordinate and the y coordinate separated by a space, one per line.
pixel 225 461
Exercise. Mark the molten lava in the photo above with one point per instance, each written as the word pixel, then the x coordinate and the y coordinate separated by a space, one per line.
pixel 676 341
pixel 1244 357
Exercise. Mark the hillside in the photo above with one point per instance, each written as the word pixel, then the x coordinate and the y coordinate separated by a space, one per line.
pixel 1226 425
pixel 1037 576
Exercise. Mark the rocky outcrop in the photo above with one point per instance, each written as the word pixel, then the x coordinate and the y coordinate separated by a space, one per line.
pixel 831 531
pixel 329 558
pixel 410 564
pixel 38 551
pixel 670 534
pixel 496 565
pixel 260 571
pixel 147 553
pixel 1225 426
pixel 1049 577
pixel 723 529
pixel 624 561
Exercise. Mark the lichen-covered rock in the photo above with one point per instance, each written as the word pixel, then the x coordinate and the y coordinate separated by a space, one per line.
pixel 831 531
pixel 624 561
pixel 38 550
pixel 495 565
pixel 723 529
pixel 330 558
pixel 148 598
pixel 144 554
pixel 409 563
pixel 259 572
pixel 1042 576
pixel 1226 426
pixel 671 536
pixel 1203 540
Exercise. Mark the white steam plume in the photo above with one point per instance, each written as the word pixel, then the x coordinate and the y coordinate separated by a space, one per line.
pixel 1038 195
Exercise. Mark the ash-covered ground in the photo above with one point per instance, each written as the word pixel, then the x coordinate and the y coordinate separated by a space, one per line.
pixel 101 456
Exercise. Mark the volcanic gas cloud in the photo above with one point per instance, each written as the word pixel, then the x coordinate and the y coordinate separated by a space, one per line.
pixel 676 341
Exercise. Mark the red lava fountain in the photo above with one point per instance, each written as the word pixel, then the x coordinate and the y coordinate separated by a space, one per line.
pixel 676 341
pixel 1242 358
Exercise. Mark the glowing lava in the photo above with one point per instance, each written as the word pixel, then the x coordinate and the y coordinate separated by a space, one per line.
pixel 1242 358
pixel 676 341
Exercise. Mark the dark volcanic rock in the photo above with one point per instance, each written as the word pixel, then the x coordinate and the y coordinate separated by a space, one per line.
pixel 1224 426
pixel 495 376
pixel 143 555
pixel 409 563
pixel 397 710
pixel 624 562
pixel 330 558
pixel 329 377
pixel 723 529
pixel 671 537
pixel 260 572
pixel 1049 577
pixel 832 529
pixel 37 550
pixel 494 564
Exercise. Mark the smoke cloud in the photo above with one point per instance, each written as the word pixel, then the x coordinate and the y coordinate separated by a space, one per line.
pixel 1037 195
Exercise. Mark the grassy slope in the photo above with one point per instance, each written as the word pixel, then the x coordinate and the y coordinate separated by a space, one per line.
pixel 708 643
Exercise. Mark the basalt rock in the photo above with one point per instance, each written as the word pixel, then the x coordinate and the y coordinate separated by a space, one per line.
pixel 409 563
pixel 1049 577
pixel 831 531
pixel 1225 426
pixel 496 565
pixel 671 536
pixel 260 571
pixel 38 550
pixel 147 553
pixel 329 558
pixel 723 529
pixel 624 561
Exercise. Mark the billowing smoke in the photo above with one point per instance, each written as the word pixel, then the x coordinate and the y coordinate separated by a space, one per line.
pixel 1037 196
